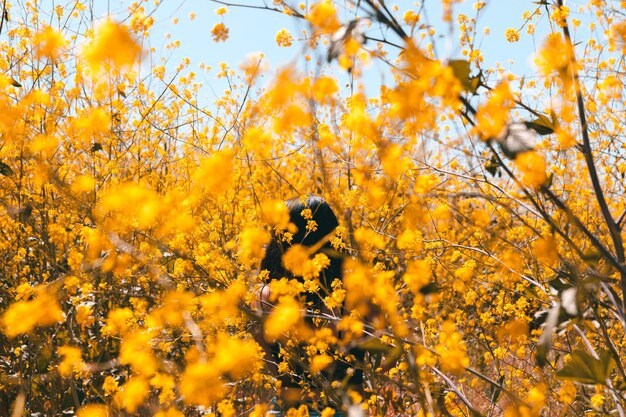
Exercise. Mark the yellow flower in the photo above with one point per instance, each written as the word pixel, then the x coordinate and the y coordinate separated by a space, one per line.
pixel 136 351
pixel 225 408
pixel 23 316
pixel 251 244
pixel 284 38
pixel 119 320
pixel 219 32
pixel 417 275
pixel 49 43
pixel 166 384
pixel 72 360
pixel 565 138
pixel 324 88
pixel 559 15
pixel 200 384
pixel 533 168
pixel 295 258
pixel 597 400
pixel 93 410
pixel 320 362
pixel 545 250
pixel 220 11
pixel 323 16
pixel 286 316
pixel 556 56
pixel 110 385
pixel 83 184
pixel 410 17
pixel 113 44
pixel 493 116
pixel 511 35
pixel 393 161
pixel 236 358
pixel 425 183
pixel 275 213
pixel 451 349
pixel 567 393
pixel 214 175
pixel 84 315
pixel 170 412
pixel 132 394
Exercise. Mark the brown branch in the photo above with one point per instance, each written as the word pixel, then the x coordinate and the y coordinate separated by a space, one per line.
pixel 294 12
pixel 593 174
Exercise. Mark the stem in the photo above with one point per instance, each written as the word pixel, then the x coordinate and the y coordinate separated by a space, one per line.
pixel 593 174
pixel 4 13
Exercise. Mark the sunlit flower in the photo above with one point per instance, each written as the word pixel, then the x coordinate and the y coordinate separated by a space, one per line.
pixel 284 38
pixel 49 43
pixel 219 32
pixel 112 44
pixel 511 35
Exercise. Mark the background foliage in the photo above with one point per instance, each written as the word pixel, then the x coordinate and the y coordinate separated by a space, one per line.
pixel 482 213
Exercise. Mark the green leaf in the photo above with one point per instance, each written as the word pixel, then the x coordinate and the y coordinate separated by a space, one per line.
pixel 15 83
pixel 491 166
pixel 586 369
pixel 5 169
pixel 392 357
pixel 461 69
pixel 542 125
pixel 375 345
pixel 429 288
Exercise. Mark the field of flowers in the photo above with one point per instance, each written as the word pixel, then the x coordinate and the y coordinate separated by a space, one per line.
pixel 480 215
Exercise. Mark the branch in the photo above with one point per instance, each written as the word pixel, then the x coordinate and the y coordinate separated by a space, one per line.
pixel 593 174
pixel 294 12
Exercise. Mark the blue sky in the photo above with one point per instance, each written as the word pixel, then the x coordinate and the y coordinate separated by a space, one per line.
pixel 254 31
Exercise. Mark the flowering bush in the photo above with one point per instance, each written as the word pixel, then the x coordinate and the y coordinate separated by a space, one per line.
pixel 480 214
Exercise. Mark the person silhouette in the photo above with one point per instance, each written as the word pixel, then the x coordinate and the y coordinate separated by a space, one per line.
pixel 298 385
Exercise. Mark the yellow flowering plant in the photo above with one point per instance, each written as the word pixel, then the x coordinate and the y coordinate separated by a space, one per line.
pixel 481 214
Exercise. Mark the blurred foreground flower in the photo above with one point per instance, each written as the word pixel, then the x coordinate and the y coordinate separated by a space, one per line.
pixel 113 44
pixel 24 316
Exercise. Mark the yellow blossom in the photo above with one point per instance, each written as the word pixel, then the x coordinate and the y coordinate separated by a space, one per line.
pixel 323 16
pixel 493 116
pixel 320 362
pixel 410 17
pixel 511 35
pixel 132 394
pixel 252 241
pixel 284 38
pixel 533 168
pixel 236 357
pixel 556 56
pixel 276 213
pixel 286 316
pixel 72 360
pixel 214 173
pixel 93 410
pixel 545 250
pixel 110 385
pixel 559 15
pixel 219 32
pixel 200 384
pixel 112 44
pixel 23 316
pixel 49 43
pixel 451 349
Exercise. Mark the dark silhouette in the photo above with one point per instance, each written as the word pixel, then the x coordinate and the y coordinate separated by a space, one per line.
pixel 340 372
